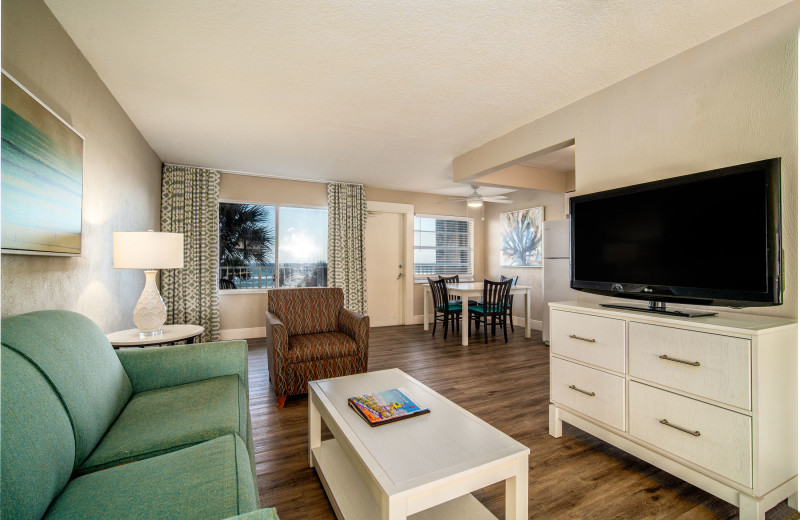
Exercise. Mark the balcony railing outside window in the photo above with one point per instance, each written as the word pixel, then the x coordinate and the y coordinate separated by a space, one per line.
pixel 267 276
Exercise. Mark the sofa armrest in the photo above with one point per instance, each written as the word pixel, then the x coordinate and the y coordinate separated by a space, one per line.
pixel 268 513
pixel 277 353
pixel 159 367
pixel 356 326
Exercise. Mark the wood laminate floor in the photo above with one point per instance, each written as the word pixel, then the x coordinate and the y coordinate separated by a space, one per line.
pixel 576 476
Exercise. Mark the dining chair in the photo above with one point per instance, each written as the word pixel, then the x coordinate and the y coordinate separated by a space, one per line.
pixel 451 279
pixel 510 298
pixel 495 301
pixel 449 312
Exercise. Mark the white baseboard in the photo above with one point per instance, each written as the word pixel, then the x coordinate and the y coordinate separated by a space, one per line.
pixel 519 321
pixel 252 332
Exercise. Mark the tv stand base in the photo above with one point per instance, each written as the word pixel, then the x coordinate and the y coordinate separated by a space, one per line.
pixel 659 308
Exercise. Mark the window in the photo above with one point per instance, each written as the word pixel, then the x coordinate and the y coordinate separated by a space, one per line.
pixel 442 245
pixel 263 246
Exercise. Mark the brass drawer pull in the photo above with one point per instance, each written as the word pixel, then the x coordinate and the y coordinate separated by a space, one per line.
pixel 685 430
pixel 692 363
pixel 573 387
pixel 573 336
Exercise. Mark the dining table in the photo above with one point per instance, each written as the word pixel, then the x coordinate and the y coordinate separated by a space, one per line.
pixel 467 290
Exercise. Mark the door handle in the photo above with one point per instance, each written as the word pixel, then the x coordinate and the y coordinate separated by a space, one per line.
pixel 399 275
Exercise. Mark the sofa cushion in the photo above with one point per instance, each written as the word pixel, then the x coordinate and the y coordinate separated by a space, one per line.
pixel 74 354
pixel 167 419
pixel 207 480
pixel 315 347
pixel 306 310
pixel 38 448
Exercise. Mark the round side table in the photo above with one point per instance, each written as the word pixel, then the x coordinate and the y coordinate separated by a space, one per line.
pixel 169 334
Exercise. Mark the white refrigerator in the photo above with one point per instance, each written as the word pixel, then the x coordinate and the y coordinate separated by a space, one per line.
pixel 555 278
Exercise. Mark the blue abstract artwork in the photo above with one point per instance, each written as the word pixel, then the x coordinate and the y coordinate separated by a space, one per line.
pixel 522 238
pixel 42 177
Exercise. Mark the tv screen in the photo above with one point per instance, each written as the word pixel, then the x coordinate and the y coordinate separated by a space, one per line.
pixel 709 238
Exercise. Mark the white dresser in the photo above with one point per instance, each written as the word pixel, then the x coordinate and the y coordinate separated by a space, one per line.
pixel 712 400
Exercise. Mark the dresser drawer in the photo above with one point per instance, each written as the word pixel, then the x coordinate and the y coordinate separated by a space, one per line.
pixel 707 365
pixel 596 340
pixel 572 385
pixel 723 445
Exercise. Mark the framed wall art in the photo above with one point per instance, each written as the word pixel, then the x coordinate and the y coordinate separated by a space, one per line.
pixel 522 238
pixel 42 177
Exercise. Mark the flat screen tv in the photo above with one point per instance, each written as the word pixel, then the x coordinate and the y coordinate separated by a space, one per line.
pixel 709 238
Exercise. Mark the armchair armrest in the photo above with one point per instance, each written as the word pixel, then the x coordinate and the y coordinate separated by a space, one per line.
pixel 268 513
pixel 159 367
pixel 277 353
pixel 356 326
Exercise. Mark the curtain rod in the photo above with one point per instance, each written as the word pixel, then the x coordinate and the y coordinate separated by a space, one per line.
pixel 267 176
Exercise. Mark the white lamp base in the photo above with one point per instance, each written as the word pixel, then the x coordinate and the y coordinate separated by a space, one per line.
pixel 150 312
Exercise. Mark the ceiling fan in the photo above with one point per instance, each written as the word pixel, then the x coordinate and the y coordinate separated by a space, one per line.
pixel 476 200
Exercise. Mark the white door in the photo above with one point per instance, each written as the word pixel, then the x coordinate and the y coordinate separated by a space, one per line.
pixel 384 268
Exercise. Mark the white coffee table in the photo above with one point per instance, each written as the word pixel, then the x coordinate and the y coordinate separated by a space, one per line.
pixel 425 466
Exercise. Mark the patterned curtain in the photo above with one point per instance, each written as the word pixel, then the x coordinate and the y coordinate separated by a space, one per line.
pixel 347 225
pixel 190 205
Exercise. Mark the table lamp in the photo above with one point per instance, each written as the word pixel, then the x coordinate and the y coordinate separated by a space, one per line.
pixel 150 251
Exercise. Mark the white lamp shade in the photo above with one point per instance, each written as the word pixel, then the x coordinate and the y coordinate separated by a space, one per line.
pixel 148 250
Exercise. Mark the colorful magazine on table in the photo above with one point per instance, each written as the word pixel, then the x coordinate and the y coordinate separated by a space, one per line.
pixel 387 406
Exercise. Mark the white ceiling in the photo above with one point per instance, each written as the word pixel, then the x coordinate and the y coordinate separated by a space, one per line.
pixel 382 92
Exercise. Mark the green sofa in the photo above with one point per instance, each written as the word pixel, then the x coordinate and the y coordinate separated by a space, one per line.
pixel 90 432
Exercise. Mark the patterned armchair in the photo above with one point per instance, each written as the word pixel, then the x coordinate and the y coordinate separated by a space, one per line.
pixel 310 335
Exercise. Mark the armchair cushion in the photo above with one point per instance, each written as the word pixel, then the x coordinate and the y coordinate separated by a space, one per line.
pixel 314 347
pixel 208 480
pixel 167 419
pixel 307 310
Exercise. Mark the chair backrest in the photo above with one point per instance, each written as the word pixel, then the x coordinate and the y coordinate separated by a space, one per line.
pixel 38 444
pixel 307 310
pixel 450 279
pixel 495 295
pixel 513 283
pixel 513 280
pixel 439 292
pixel 76 357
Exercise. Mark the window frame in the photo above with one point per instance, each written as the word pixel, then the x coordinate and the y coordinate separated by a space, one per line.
pixel 277 207
pixel 471 237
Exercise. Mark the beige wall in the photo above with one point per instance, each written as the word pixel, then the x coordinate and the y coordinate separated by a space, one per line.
pixel 439 205
pixel 729 101
pixel 553 203
pixel 121 177
pixel 241 314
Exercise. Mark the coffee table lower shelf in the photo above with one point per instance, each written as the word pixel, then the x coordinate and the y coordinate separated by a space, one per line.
pixel 351 500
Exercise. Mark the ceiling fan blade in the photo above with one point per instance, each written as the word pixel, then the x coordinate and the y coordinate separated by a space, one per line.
pixel 499 201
